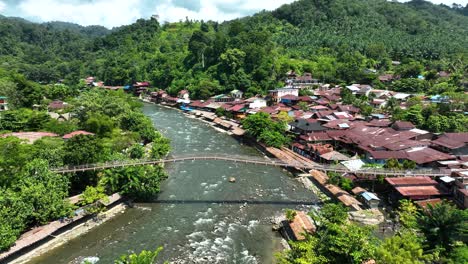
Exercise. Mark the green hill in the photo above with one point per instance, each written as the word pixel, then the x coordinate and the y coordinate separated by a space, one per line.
pixel 336 40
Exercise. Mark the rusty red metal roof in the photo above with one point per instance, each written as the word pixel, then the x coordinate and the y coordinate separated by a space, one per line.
pixel 76 133
pixel 420 191
pixel 411 181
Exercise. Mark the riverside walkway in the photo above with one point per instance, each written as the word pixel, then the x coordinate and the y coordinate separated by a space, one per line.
pixel 298 164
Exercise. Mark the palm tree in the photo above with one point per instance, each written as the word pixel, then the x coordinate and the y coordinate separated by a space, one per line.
pixel 443 224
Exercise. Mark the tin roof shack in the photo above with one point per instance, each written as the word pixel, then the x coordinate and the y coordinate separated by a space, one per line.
pixel 454 143
pixel 301 225
pixel 369 199
pixel 304 126
pixel 415 188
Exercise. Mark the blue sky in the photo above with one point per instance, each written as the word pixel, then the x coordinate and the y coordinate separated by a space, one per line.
pixel 111 13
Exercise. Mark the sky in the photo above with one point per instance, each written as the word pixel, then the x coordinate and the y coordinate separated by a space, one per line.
pixel 112 13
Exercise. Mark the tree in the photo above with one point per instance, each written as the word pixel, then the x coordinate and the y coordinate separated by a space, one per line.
pixel 160 147
pixel 404 248
pixel 144 257
pixel 45 191
pixel 443 224
pixel 409 165
pixel 274 138
pixel 407 214
pixel 259 122
pixel 102 125
pixel 303 106
pixel 393 164
pixel 83 149
pixel 136 151
pixel 141 182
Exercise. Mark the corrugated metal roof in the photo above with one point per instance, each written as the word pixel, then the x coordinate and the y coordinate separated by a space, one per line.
pixel 369 196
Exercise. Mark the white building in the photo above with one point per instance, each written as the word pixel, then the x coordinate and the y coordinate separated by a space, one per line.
pixel 258 103
pixel 278 93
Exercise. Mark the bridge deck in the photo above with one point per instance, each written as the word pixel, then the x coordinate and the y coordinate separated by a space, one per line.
pixel 253 160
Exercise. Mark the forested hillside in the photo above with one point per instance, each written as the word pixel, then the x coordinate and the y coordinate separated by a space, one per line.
pixel 336 40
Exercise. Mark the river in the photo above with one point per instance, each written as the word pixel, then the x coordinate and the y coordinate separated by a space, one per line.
pixel 198 216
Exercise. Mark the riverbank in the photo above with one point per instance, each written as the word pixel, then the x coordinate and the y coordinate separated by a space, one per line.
pixel 71 234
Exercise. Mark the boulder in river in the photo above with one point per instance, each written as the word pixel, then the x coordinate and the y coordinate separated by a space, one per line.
pixel 232 179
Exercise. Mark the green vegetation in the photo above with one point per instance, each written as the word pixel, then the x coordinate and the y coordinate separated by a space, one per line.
pixel 144 257
pixel 343 182
pixel 262 127
pixel 30 194
pixel 437 234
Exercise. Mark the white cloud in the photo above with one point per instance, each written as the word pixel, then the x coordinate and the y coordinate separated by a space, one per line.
pixel 2 6
pixel 218 10
pixel 107 13
pixel 111 13
pixel 445 2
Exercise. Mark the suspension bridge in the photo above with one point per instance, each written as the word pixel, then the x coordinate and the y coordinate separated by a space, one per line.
pixel 297 164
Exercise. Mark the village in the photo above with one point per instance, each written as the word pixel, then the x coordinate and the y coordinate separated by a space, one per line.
pixel 374 157
pixel 327 131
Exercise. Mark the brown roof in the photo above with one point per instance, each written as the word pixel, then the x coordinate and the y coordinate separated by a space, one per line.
pixel 76 133
pixel 383 154
pixel 419 190
pixel 424 203
pixel 29 136
pixel 452 140
pixel 398 125
pixel 410 181
pixel 427 155
pixel 358 190
pixel 301 224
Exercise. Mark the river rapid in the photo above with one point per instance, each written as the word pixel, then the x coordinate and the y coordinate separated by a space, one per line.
pixel 199 216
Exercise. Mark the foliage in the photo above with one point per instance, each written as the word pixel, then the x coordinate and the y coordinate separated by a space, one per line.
pixel 405 248
pixel 144 257
pixel 335 241
pixel 160 147
pixel 83 149
pixel 92 194
pixel 261 126
pixel 140 182
pixel 274 138
pixel 407 214
pixel 443 225
pixel 136 151
pixel 290 215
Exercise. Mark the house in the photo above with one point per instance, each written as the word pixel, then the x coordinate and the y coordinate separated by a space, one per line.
pixel 301 224
pixel 369 199
pixel 461 190
pixel 184 95
pixel 3 103
pixel 57 105
pixel 76 133
pixel 289 99
pixel 305 126
pixel 415 188
pixel 222 98
pixel 304 81
pixel 236 94
pixel 403 126
pixel 333 156
pixel 386 78
pixel 277 94
pixel 258 103
pixel 378 103
pixel 454 143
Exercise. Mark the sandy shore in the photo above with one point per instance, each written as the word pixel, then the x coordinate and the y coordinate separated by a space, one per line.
pixel 70 234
